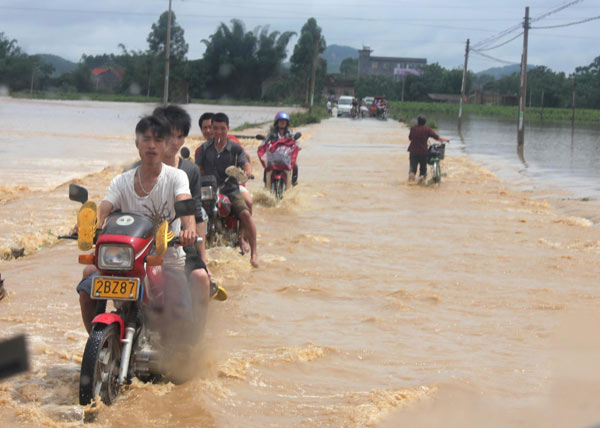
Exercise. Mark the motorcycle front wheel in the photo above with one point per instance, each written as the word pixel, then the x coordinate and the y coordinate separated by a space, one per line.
pixel 100 365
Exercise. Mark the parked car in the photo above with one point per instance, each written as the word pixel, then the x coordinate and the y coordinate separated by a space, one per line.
pixel 344 105
pixel 367 101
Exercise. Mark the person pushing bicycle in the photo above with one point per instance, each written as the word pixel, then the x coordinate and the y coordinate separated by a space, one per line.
pixel 418 136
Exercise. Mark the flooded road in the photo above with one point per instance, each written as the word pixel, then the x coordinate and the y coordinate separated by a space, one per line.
pixel 377 303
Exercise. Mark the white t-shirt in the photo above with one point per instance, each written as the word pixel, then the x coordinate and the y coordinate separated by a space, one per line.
pixel 158 205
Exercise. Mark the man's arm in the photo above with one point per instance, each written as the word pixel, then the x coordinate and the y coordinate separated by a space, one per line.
pixel 104 210
pixel 200 158
pixel 187 236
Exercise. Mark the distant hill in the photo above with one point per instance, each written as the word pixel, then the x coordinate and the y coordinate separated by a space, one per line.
pixel 335 54
pixel 507 70
pixel 60 64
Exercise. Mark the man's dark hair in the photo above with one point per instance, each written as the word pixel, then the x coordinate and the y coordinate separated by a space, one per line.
pixel 159 126
pixel 177 117
pixel 421 120
pixel 221 117
pixel 205 116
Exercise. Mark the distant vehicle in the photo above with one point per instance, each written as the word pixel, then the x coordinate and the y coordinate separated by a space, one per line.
pixel 368 101
pixel 344 105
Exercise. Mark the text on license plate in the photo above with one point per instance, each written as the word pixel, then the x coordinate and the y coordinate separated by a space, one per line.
pixel 108 287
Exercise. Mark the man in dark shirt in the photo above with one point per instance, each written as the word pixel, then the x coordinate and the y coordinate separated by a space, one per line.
pixel 213 158
pixel 418 136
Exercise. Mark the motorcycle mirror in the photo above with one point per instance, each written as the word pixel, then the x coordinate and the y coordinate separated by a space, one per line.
pixel 260 137
pixel 13 356
pixel 297 135
pixel 78 193
pixel 162 239
pixel 185 152
pixel 185 207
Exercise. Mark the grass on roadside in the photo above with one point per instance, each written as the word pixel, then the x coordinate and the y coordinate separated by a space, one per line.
pixel 408 111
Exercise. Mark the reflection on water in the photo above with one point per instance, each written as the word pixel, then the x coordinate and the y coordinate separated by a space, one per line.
pixel 554 156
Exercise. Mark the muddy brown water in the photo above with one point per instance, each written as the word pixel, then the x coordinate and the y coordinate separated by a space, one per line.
pixel 377 303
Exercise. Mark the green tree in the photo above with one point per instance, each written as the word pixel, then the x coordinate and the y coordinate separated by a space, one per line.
pixel 349 68
pixel 19 71
pixel 304 52
pixel 238 62
pixel 178 48
pixel 587 79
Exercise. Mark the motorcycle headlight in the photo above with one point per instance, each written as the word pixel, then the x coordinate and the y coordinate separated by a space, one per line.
pixel 207 193
pixel 115 257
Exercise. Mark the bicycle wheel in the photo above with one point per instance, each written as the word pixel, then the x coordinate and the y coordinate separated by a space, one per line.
pixel 437 171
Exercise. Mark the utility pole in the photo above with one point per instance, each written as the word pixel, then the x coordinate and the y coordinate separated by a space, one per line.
pixel 463 86
pixel 314 70
pixel 573 106
pixel 522 98
pixel 167 55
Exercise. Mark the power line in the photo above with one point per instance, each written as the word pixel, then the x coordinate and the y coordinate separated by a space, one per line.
pixel 516 27
pixel 566 25
pixel 502 44
pixel 493 58
pixel 558 9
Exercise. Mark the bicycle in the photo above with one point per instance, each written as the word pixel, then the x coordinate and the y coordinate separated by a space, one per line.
pixel 436 153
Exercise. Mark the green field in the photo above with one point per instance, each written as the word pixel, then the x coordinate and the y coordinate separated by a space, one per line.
pixel 408 111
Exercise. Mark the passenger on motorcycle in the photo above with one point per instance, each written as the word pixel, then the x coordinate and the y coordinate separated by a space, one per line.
pixel 280 129
pixel 151 190
pixel 213 158
pixel 205 123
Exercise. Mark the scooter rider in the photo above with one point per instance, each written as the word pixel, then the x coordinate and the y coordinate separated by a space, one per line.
pixel 279 130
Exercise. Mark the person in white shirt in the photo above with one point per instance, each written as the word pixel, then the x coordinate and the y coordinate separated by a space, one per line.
pixel 151 189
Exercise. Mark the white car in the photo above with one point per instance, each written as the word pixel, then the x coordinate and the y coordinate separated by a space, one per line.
pixel 344 105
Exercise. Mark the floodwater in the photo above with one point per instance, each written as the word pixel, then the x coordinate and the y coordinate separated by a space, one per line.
pixel 555 157
pixel 377 303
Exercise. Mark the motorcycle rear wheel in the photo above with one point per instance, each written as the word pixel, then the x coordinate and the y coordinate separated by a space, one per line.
pixel 278 187
pixel 100 365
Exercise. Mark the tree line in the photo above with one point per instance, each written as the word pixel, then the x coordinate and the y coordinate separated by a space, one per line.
pixel 544 87
pixel 236 63
pixel 249 65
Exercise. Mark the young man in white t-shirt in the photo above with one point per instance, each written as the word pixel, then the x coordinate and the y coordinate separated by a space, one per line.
pixel 151 189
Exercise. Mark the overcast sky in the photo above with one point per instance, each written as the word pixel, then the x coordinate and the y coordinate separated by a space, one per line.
pixel 433 29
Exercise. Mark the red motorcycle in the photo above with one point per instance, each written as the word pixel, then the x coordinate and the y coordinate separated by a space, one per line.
pixel 222 227
pixel 154 324
pixel 278 158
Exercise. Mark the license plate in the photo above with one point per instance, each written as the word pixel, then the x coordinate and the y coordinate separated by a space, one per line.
pixel 112 287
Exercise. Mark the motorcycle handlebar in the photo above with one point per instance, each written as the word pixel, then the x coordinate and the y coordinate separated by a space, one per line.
pixel 74 236
pixel 176 241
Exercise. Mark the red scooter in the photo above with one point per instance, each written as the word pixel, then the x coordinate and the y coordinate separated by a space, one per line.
pixel 278 158
pixel 154 324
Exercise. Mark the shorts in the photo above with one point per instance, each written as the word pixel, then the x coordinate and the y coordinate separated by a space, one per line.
pixel 86 284
pixel 238 204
